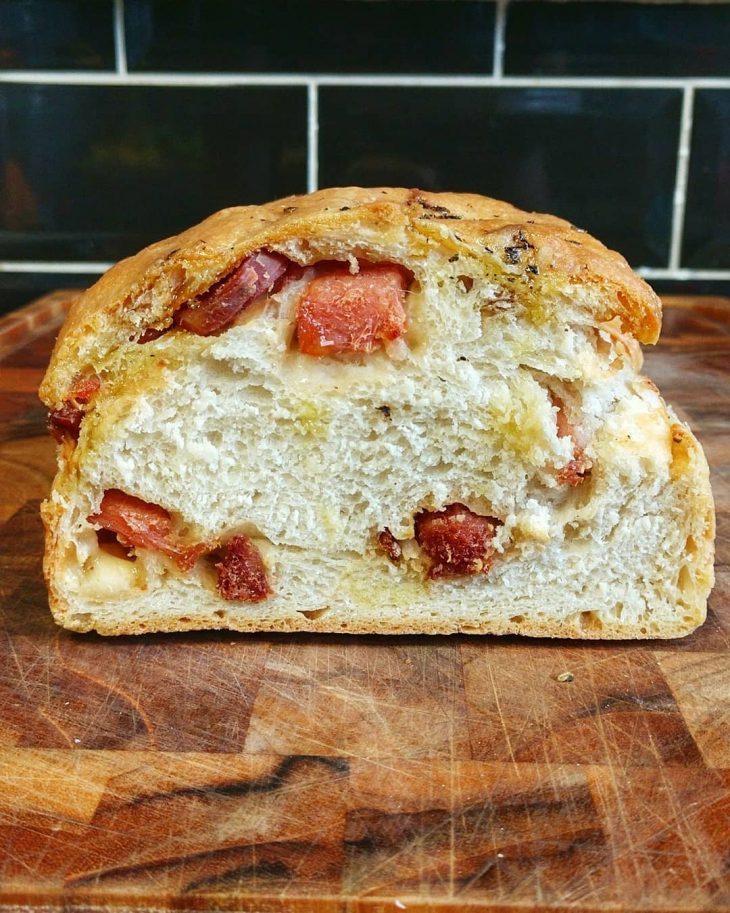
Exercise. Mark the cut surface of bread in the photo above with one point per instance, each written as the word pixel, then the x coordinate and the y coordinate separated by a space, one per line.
pixel 372 410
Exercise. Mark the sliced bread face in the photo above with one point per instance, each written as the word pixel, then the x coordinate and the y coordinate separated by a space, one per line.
pixel 372 411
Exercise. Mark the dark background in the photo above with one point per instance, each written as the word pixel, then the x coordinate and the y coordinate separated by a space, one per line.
pixel 93 168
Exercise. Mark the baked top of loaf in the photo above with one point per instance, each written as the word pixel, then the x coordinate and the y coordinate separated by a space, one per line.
pixel 490 460
pixel 536 253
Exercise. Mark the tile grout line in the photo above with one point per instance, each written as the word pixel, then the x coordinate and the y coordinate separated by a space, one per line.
pixel 680 183
pixel 120 38
pixel 109 78
pixel 682 274
pixel 312 136
pixel 54 266
pixel 500 21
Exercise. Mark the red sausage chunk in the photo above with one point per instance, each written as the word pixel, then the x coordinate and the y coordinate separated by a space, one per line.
pixel 575 471
pixel 241 573
pixel 565 429
pixel 579 468
pixel 344 313
pixel 457 540
pixel 142 525
pixel 66 422
pixel 390 545
pixel 257 275
pixel 84 388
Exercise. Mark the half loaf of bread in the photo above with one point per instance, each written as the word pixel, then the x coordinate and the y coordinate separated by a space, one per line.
pixel 372 410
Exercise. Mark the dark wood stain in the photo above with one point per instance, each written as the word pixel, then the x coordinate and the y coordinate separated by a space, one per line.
pixel 341 774
pixel 268 783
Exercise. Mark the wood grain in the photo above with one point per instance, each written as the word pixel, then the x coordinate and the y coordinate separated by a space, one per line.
pixel 298 773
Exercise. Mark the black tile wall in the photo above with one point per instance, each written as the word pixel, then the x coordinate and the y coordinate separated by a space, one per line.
pixel 604 159
pixel 690 286
pixel 358 36
pixel 60 34
pixel 707 220
pixel 620 39
pixel 96 172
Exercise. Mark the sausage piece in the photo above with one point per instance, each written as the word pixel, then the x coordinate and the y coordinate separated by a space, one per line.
pixel 66 422
pixel 344 313
pixel 390 545
pixel 579 468
pixel 457 540
pixel 257 275
pixel 576 470
pixel 241 572
pixel 143 525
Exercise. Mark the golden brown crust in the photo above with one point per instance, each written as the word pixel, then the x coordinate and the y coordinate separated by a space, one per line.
pixel 52 556
pixel 540 252
pixel 689 470
pixel 527 628
pixel 538 246
pixel 532 627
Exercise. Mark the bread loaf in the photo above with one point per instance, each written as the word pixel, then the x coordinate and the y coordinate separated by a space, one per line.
pixel 372 410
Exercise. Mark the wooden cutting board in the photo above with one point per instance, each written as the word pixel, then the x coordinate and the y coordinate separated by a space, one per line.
pixel 295 773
